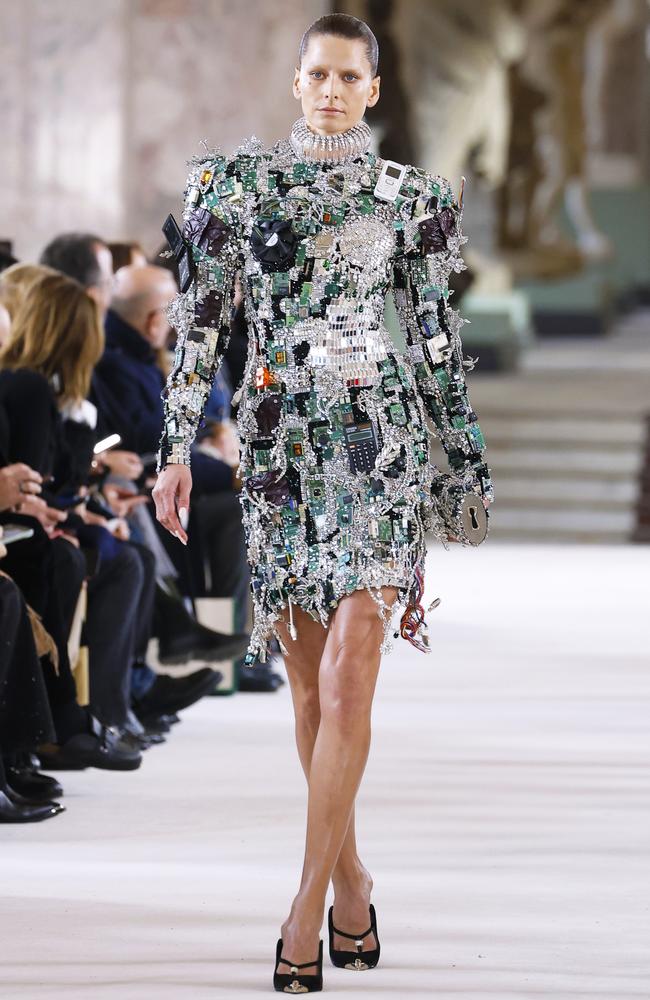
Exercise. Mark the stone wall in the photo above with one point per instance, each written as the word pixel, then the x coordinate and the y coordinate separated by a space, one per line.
pixel 103 103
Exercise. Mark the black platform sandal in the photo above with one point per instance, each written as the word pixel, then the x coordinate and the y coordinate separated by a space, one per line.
pixel 295 982
pixel 358 959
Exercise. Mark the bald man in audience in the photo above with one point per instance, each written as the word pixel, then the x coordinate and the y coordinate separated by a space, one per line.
pixel 130 376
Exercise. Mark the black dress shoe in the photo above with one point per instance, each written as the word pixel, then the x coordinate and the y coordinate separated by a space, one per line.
pixel 196 642
pixel 23 776
pixel 134 734
pixel 155 725
pixel 34 786
pixel 30 812
pixel 22 800
pixel 100 748
pixel 258 679
pixel 154 739
pixel 181 638
pixel 173 694
pixel 139 742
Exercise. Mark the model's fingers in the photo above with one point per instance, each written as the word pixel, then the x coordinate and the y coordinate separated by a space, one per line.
pixel 158 497
pixel 157 507
pixel 184 504
pixel 166 513
pixel 180 524
pixel 161 516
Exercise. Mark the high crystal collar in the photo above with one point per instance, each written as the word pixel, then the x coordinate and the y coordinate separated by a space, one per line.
pixel 338 148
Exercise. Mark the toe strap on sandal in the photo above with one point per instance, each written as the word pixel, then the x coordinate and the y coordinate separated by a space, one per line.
pixel 296 965
pixel 357 938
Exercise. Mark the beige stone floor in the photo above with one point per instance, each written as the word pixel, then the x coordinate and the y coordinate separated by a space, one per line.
pixel 504 815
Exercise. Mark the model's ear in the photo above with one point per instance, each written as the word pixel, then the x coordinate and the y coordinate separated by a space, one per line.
pixel 296 85
pixel 373 97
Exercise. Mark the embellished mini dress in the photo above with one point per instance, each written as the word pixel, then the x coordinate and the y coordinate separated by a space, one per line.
pixel 334 419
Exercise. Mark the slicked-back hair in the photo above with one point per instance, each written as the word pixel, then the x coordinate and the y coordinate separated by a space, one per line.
pixel 343 26
pixel 75 255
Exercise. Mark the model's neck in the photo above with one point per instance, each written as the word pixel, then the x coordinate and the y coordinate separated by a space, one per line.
pixel 333 147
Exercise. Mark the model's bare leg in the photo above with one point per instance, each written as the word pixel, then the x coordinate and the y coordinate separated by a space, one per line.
pixel 346 685
pixel 351 880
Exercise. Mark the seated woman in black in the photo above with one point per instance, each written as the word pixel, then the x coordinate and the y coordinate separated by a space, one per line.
pixel 45 367
pixel 25 719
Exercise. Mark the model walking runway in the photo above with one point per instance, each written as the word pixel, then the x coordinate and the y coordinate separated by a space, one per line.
pixel 505 807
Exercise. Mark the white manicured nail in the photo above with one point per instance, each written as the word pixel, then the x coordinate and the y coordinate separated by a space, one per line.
pixel 183 517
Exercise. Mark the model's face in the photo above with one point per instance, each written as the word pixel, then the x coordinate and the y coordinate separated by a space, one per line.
pixel 335 84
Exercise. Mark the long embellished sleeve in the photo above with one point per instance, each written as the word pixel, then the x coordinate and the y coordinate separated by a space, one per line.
pixel 428 249
pixel 201 314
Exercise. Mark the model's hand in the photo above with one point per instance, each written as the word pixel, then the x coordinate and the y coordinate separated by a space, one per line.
pixel 171 495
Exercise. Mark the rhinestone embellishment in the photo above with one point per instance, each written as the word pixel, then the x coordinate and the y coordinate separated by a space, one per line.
pixel 339 493
pixel 295 986
pixel 358 964
pixel 338 148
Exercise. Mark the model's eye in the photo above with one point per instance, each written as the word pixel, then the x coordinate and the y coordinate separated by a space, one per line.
pixel 350 77
pixel 317 74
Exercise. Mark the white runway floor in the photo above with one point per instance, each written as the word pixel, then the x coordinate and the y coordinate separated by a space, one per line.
pixel 504 815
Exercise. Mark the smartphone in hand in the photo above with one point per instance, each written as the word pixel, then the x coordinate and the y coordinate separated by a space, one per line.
pixel 15 533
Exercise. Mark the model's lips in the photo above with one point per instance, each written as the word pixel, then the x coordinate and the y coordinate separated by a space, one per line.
pixel 331 111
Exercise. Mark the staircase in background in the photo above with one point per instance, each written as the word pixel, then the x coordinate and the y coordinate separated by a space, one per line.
pixel 564 477
pixel 567 437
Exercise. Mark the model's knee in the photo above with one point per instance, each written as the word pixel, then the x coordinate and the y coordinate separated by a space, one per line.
pixel 347 716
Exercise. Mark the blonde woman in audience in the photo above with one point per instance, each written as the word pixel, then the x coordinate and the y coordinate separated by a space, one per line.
pixel 16 280
pixel 56 331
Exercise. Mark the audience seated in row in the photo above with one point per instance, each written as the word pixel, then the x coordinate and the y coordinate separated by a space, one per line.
pixel 90 538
